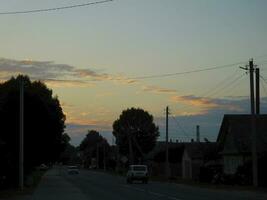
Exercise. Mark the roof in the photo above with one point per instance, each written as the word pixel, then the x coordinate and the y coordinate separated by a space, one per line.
pixel 158 153
pixel 196 150
pixel 161 147
pixel 235 134
pixel 201 150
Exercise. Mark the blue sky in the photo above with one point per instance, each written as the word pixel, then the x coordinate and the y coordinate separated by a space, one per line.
pixel 94 52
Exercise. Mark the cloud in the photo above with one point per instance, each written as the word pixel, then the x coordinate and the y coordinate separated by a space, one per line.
pixel 56 75
pixel 36 69
pixel 105 94
pixel 88 73
pixel 182 124
pixel 206 104
pixel 195 101
pixel 67 83
pixel 83 119
pixel 156 89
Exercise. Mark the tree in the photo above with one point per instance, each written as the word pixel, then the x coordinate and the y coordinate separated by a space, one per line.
pixel 44 124
pixel 136 126
pixel 94 146
pixel 70 154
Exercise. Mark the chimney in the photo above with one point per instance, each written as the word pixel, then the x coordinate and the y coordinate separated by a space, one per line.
pixel 198 134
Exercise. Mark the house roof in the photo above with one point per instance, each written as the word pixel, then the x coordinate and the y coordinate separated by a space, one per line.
pixel 201 150
pixel 235 133
pixel 161 147
pixel 196 150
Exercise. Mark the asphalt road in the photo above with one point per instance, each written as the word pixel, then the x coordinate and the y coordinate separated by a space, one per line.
pixel 102 186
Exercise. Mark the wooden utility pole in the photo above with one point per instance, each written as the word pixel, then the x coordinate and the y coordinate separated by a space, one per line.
pixel 21 135
pixel 257 91
pixel 130 148
pixel 117 154
pixel 253 127
pixel 167 166
pixel 104 156
pixel 97 156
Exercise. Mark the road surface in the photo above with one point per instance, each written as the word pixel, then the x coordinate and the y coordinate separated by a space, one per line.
pixel 101 186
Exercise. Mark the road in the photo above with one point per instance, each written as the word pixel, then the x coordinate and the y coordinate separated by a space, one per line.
pixel 102 186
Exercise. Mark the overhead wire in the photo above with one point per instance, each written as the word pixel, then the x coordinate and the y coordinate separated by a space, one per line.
pixel 228 85
pixel 218 85
pixel 181 128
pixel 54 9
pixel 187 72
pixel 262 85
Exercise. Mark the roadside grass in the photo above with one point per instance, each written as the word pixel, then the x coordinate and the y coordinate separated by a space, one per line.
pixel 13 193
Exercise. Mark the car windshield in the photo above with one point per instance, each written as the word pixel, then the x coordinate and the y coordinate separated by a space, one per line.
pixel 139 168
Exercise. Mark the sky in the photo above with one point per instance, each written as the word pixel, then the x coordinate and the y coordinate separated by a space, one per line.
pixel 99 59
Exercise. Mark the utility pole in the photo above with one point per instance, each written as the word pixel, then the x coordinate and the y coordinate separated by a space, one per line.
pixel 167 167
pixel 21 136
pixel 253 118
pixel 130 148
pixel 257 91
pixel 198 134
pixel 104 156
pixel 118 154
pixel 253 128
pixel 97 156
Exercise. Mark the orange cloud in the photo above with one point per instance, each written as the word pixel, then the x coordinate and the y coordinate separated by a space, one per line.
pixel 67 83
pixel 156 89
pixel 189 113
pixel 100 125
pixel 195 101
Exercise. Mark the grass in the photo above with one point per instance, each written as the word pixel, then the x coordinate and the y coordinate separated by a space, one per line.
pixel 13 193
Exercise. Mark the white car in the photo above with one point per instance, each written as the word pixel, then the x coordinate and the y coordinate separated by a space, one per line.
pixel 137 172
pixel 73 170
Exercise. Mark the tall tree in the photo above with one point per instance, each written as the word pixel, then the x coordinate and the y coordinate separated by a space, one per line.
pixel 137 126
pixel 44 124
pixel 93 146
pixel 70 154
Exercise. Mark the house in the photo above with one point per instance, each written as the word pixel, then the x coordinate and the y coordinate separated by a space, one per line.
pixel 234 140
pixel 197 155
pixel 156 159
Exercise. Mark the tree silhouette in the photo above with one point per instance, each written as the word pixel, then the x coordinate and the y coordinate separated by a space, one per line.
pixel 139 126
pixel 89 145
pixel 43 125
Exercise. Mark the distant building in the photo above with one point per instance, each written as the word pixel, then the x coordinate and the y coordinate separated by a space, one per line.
pixel 197 155
pixel 157 157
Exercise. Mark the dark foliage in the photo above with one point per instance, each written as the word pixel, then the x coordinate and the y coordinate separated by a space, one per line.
pixel 70 155
pixel 43 126
pixel 139 124
pixel 92 143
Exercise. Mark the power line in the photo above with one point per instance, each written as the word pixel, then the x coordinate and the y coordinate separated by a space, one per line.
pixel 262 85
pixel 228 85
pixel 187 72
pixel 53 9
pixel 263 79
pixel 218 85
pixel 181 128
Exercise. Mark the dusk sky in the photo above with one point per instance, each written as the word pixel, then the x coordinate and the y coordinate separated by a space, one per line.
pixel 99 59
